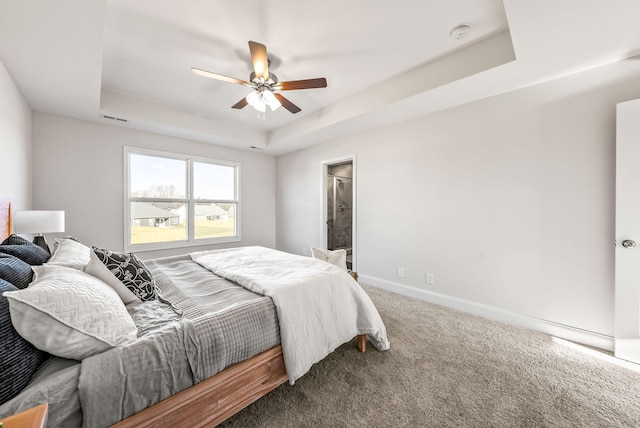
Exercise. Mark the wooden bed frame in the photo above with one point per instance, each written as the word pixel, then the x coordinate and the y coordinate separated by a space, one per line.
pixel 221 396
pixel 215 399
pixel 5 218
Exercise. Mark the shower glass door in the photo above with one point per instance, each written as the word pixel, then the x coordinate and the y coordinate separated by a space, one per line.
pixel 339 207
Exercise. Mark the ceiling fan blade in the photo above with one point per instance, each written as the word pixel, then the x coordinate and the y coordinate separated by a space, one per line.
pixel 302 84
pixel 240 104
pixel 287 104
pixel 259 59
pixel 206 73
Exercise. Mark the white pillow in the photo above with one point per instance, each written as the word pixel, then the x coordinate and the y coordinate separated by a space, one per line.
pixel 101 271
pixel 70 314
pixel 71 254
pixel 335 257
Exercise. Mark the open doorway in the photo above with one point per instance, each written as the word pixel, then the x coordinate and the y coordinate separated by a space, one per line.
pixel 339 207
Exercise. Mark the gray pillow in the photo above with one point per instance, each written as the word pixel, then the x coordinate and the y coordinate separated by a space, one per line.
pixel 15 271
pixel 19 359
pixel 24 250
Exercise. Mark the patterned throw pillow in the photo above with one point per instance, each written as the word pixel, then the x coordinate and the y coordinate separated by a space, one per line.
pixel 15 271
pixel 24 250
pixel 130 270
pixel 19 359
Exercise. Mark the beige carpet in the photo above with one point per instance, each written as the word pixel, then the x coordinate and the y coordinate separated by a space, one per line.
pixel 449 369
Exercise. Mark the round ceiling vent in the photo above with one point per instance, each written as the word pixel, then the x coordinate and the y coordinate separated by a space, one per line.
pixel 460 31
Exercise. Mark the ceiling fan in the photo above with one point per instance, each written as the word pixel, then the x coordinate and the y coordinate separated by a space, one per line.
pixel 265 85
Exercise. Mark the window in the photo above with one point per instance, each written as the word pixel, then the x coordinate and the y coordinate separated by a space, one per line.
pixel 174 200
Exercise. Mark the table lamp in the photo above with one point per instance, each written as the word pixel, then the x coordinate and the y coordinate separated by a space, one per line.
pixel 39 222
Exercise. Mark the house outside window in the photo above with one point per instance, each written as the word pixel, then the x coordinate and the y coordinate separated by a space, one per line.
pixel 174 200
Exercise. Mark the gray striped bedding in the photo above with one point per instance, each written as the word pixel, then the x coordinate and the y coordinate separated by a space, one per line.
pixel 228 321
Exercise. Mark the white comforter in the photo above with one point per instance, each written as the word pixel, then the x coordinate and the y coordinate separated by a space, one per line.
pixel 319 305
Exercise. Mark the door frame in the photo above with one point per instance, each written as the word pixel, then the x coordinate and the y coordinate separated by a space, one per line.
pixel 324 169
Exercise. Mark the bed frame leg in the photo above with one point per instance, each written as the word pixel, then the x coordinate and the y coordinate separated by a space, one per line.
pixel 362 342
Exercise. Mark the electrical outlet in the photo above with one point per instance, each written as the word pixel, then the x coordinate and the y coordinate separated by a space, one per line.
pixel 304 251
pixel 400 272
pixel 430 279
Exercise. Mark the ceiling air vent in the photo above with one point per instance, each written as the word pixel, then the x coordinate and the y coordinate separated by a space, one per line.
pixel 119 119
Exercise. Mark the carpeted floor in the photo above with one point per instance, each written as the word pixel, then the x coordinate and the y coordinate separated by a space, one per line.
pixel 450 369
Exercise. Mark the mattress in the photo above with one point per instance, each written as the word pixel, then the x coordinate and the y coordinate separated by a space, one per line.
pixel 56 382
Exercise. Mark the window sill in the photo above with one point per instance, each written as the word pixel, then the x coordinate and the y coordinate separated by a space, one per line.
pixel 158 246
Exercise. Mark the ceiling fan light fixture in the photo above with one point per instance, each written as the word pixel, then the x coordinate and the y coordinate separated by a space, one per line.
pixel 252 98
pixel 260 106
pixel 271 100
pixel 262 98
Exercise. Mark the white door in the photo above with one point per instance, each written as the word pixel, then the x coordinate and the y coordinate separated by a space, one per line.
pixel 627 252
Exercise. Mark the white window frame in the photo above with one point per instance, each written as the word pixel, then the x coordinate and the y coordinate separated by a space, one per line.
pixel 189 201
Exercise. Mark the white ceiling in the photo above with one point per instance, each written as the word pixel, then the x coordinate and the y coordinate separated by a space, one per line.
pixel 383 61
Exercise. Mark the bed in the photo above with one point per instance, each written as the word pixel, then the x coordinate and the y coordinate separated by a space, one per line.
pixel 214 339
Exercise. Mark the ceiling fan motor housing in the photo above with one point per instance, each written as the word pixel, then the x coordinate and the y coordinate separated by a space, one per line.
pixel 273 79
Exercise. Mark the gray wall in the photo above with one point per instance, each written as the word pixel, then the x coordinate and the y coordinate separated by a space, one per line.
pixel 509 201
pixel 341 170
pixel 78 167
pixel 15 144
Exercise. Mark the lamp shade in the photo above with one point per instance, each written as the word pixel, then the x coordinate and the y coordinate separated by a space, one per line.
pixel 38 221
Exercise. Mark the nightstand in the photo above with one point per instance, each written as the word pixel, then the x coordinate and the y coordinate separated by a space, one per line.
pixel 35 417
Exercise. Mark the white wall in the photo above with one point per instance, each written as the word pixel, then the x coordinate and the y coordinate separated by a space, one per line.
pixel 509 201
pixel 78 167
pixel 15 144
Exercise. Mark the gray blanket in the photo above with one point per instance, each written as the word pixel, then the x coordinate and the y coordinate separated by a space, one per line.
pixel 201 325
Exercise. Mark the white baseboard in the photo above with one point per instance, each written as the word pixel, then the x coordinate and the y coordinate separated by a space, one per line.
pixel 628 349
pixel 551 328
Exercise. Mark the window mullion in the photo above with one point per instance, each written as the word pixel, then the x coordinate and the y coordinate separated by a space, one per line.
pixel 192 218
